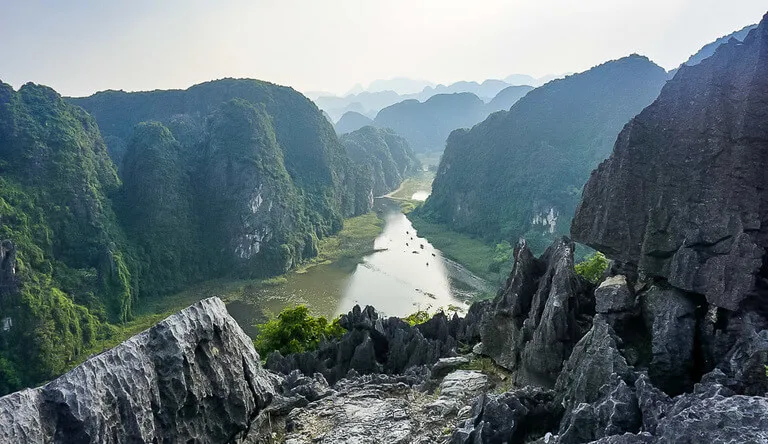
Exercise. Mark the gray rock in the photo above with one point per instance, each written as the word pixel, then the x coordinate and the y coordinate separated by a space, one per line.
pixel 446 365
pixel 614 296
pixel 745 364
pixel 594 361
pixel 670 317
pixel 193 377
pixel 614 413
pixel 463 384
pixel 516 416
pixel 736 419
pixel 653 403
pixel 534 322
pixel 683 194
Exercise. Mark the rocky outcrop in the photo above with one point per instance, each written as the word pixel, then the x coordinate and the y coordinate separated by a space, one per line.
pixel 193 377
pixel 682 197
pixel 534 322
pixel 373 345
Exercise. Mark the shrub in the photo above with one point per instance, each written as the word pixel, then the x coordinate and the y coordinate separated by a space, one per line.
pixel 593 267
pixel 294 331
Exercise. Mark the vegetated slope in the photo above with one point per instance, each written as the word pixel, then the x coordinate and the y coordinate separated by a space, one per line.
pixel 388 155
pixel 426 125
pixel 520 172
pixel 683 195
pixel 352 121
pixel 228 178
pixel 507 97
pixel 64 265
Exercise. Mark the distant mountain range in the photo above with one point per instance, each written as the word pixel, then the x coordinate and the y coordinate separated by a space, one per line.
pixel 426 125
pixel 383 93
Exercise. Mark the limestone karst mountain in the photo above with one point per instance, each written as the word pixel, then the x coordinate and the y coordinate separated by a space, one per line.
pixel 520 172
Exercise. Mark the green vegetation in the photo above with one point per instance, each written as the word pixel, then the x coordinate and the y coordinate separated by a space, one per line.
pixel 593 267
pixel 227 180
pixel 474 254
pixel 294 331
pixel 426 125
pixel 519 171
pixel 421 181
pixel 388 156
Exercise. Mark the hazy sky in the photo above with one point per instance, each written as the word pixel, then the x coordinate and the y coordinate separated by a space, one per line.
pixel 79 47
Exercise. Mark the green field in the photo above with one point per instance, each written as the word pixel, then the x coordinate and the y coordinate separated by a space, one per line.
pixel 474 254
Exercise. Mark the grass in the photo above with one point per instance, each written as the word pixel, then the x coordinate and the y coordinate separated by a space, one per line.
pixel 474 254
pixel 420 182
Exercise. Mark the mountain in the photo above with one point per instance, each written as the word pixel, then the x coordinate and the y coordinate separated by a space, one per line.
pixel 66 266
pixel 519 172
pixel 697 215
pixel 388 156
pixel 485 91
pixel 426 125
pixel 228 178
pixel 367 103
pixel 352 121
pixel 709 49
pixel 507 97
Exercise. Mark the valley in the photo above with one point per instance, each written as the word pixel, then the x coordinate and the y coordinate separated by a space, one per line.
pixel 551 259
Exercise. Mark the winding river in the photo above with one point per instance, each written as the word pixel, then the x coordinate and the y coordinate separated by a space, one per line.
pixel 405 273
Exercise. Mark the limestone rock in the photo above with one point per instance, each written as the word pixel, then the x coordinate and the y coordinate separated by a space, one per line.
pixel 446 365
pixel 534 322
pixel 193 377
pixel 683 194
pixel 670 317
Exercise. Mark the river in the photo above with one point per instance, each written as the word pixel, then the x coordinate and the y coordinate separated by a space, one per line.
pixel 405 273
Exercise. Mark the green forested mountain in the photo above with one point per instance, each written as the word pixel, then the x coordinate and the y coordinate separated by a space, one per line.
pixel 507 97
pixel 388 155
pixel 520 172
pixel 66 263
pixel 351 121
pixel 233 177
pixel 426 125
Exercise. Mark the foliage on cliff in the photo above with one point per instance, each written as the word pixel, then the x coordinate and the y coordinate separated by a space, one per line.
pixel 520 172
pixel 72 270
pixel 388 155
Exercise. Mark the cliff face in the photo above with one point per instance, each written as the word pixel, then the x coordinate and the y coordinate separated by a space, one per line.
pixel 193 377
pixel 388 156
pixel 519 172
pixel 682 197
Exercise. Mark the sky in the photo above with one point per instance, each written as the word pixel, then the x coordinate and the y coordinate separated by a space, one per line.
pixel 79 47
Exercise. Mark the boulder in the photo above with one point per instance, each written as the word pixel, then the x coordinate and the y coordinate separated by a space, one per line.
pixel 193 377
pixel 669 316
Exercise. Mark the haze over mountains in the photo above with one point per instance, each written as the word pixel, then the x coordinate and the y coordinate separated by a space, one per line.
pixel 370 101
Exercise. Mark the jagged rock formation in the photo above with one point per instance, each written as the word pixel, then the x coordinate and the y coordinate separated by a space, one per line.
pixel 707 130
pixel 351 121
pixel 519 172
pixel 540 314
pixel 193 377
pixel 373 345
pixel 386 156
